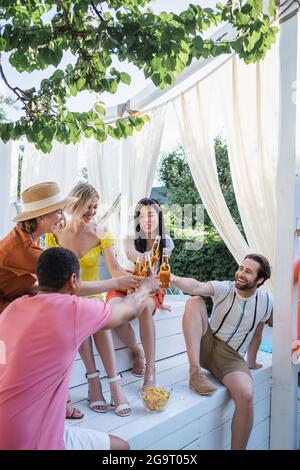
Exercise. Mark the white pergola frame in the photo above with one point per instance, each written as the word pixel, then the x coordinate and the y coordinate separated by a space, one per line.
pixel 284 373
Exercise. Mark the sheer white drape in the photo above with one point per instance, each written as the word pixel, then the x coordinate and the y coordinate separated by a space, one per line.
pixel 103 166
pixel 138 164
pixel 195 114
pixel 61 165
pixel 249 94
pixel 5 181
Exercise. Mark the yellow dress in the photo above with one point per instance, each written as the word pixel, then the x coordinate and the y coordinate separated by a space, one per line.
pixel 89 262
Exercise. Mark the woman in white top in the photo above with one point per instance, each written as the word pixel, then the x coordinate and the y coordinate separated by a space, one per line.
pixel 148 221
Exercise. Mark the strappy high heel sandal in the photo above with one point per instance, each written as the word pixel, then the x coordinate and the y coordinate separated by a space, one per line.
pixel 93 404
pixel 73 413
pixel 122 407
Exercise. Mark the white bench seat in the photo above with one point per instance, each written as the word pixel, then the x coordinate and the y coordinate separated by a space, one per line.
pixel 191 421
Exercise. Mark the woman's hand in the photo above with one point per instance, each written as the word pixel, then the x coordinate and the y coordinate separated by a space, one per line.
pixel 165 307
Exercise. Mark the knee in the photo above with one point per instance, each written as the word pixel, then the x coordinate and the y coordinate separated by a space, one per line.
pixel 116 443
pixel 195 305
pixel 148 309
pixel 195 302
pixel 245 398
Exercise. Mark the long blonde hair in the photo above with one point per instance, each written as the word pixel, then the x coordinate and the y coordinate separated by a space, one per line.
pixel 85 193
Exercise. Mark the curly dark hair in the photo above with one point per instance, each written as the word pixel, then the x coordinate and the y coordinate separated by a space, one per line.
pixel 265 268
pixel 54 268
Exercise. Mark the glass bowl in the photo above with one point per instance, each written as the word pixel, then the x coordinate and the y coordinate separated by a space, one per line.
pixel 155 399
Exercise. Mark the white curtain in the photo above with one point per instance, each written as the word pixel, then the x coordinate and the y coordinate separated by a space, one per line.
pixel 103 166
pixel 195 112
pixel 138 164
pixel 6 158
pixel 249 94
pixel 60 165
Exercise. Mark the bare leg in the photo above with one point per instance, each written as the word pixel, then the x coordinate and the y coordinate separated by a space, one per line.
pixel 194 324
pixel 105 347
pixel 95 389
pixel 147 333
pixel 127 335
pixel 240 387
pixel 116 443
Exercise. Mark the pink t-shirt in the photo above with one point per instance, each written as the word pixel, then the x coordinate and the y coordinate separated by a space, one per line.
pixel 41 336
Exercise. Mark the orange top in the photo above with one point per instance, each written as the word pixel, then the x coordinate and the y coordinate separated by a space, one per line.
pixel 18 258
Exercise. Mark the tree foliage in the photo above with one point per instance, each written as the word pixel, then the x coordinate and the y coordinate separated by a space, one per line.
pixel 37 34
pixel 176 177
pixel 213 260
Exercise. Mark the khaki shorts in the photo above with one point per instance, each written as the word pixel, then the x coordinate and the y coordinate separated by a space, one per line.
pixel 220 358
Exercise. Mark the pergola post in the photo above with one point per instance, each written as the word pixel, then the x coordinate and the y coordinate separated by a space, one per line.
pixel 284 373
pixel 5 179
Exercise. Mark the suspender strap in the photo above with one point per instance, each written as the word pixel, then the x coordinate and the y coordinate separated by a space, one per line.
pixel 226 315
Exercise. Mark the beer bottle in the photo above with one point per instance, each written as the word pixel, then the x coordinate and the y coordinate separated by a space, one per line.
pixel 139 265
pixel 165 271
pixel 137 270
pixel 147 265
pixel 155 252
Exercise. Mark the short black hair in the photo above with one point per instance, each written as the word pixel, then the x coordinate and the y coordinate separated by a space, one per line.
pixel 54 268
pixel 264 269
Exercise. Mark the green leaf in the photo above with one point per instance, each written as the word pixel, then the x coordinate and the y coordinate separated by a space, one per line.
pixel 73 89
pixel 198 43
pixel 6 131
pixel 272 8
pixel 58 75
pixel 100 109
pixel 156 78
pixel 125 78
pixel 2 44
pixel 80 83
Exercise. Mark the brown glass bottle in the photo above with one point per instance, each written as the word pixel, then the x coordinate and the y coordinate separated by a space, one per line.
pixel 147 271
pixel 155 252
pixel 165 270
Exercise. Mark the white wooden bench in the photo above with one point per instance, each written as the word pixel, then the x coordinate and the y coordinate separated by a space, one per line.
pixel 190 421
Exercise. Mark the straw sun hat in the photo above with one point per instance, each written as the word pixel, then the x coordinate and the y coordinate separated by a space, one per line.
pixel 41 199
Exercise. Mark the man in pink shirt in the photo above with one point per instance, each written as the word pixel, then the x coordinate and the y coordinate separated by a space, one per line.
pixel 41 335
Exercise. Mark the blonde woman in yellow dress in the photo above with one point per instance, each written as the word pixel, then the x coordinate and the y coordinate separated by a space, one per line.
pixel 87 240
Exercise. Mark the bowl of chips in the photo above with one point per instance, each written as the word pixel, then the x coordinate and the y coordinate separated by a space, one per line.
pixel 155 399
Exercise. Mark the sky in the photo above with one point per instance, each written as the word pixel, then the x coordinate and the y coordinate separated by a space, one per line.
pixel 85 100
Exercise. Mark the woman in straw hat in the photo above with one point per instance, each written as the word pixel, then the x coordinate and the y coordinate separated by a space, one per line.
pixel 42 212
pixel 43 206
pixel 88 240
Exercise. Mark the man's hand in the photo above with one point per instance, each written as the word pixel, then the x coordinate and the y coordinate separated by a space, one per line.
pixel 149 284
pixel 128 282
pixel 254 365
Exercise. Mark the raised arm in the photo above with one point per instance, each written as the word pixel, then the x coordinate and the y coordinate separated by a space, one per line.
pixel 192 286
pixel 129 281
pixel 112 264
pixel 253 347
pixel 130 250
